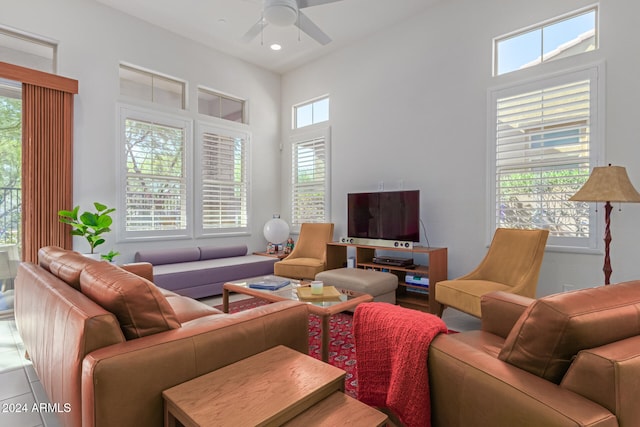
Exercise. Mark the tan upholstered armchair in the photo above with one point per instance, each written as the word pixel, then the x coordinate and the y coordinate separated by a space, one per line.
pixel 309 256
pixel 512 265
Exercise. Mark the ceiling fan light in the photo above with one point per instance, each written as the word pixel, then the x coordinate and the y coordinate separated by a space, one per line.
pixel 281 12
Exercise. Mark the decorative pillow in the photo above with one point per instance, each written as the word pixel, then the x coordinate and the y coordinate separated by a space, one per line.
pixel 549 334
pixel 138 305
pixel 65 264
pixel 214 252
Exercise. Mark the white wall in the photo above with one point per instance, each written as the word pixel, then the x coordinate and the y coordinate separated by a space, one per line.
pixel 93 40
pixel 409 108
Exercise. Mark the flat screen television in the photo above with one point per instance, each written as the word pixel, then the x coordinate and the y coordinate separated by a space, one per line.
pixel 386 215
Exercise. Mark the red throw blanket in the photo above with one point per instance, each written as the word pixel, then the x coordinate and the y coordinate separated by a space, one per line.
pixel 392 344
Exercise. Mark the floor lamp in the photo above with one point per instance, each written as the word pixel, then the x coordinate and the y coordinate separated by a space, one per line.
pixel 607 184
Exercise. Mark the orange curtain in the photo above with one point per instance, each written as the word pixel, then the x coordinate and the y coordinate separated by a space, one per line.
pixel 47 167
pixel 47 156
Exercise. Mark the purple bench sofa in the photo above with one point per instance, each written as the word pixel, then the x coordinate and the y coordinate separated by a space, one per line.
pixel 199 272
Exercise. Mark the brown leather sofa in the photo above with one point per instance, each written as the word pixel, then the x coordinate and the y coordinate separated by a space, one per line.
pixel 571 359
pixel 106 342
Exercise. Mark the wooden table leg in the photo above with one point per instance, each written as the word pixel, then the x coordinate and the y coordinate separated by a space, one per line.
pixel 325 337
pixel 169 419
pixel 225 300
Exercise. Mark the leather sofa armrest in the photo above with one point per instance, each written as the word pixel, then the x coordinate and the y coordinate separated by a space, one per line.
pixel 495 393
pixel 608 375
pixel 142 269
pixel 501 310
pixel 132 375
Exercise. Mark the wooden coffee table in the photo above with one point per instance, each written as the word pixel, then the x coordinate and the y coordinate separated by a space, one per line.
pixel 323 309
pixel 277 386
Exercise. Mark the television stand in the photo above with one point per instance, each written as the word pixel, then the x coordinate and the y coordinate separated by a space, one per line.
pixel 432 263
pixel 393 261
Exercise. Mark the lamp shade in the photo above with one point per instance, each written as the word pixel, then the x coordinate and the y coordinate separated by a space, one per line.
pixel 276 230
pixel 607 184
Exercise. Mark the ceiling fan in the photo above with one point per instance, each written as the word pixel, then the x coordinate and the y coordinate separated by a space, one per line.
pixel 287 12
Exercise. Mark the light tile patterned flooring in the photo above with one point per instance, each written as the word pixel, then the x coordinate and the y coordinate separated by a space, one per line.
pixel 20 388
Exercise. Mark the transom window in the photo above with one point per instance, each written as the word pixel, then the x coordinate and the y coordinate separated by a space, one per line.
pixel 221 106
pixel 152 87
pixel 564 36
pixel 311 112
pixel 28 51
pixel 545 142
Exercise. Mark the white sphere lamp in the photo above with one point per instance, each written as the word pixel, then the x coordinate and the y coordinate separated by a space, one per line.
pixel 276 230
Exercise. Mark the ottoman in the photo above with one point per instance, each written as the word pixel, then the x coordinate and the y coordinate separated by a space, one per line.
pixel 380 285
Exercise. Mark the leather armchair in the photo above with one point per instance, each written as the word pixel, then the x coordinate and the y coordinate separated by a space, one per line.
pixel 512 264
pixel 309 256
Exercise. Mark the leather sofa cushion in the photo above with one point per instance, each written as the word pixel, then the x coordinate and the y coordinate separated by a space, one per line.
pixel 137 303
pixel 66 265
pixel 554 329
pixel 186 308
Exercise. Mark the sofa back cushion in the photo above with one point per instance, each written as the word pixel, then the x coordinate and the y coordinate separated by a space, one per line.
pixel 64 264
pixel 554 329
pixel 168 256
pixel 215 252
pixel 138 305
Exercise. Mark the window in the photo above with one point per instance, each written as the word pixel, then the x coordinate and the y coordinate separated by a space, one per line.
pixel 310 178
pixel 546 139
pixel 156 187
pixel 562 37
pixel 10 162
pixel 223 185
pixel 221 106
pixel 311 112
pixel 151 87
pixel 166 193
pixel 27 51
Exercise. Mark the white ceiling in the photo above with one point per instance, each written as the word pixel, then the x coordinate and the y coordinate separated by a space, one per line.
pixel 221 24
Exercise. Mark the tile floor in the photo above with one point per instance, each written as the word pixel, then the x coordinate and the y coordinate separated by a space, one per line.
pixel 21 393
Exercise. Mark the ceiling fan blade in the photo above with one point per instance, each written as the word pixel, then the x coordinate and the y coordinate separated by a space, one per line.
pixel 308 3
pixel 254 30
pixel 312 30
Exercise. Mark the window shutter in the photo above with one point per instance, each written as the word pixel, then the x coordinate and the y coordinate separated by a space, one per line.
pixel 310 177
pixel 543 155
pixel 224 191
pixel 156 193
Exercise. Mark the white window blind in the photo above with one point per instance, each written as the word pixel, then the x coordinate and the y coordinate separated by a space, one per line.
pixel 224 192
pixel 310 178
pixel 543 154
pixel 155 198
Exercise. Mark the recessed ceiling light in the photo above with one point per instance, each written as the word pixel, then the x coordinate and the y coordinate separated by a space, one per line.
pixel 275 46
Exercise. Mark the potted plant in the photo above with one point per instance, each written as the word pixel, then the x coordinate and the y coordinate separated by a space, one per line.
pixel 110 256
pixel 89 225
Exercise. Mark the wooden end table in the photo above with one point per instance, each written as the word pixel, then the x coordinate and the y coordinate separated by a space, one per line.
pixel 271 388
pixel 323 309
pixel 279 254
